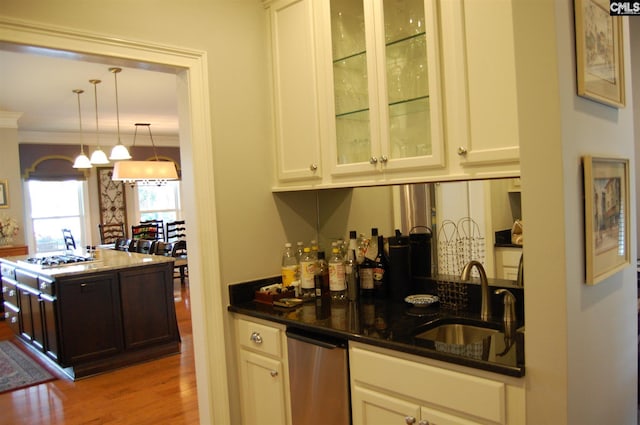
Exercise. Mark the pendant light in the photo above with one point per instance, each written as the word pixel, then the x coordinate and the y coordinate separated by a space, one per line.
pixel 98 157
pixel 145 172
pixel 82 161
pixel 119 151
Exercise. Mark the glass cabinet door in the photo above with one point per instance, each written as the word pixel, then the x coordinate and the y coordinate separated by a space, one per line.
pixel 390 120
pixel 351 93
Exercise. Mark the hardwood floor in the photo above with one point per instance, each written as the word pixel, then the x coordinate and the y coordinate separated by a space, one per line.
pixel 162 391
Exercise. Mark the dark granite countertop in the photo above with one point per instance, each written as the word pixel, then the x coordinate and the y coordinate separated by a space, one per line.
pixel 392 325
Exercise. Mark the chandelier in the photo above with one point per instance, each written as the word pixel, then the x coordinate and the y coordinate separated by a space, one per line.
pixel 153 172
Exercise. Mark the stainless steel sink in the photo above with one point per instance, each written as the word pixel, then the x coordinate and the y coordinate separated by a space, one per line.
pixel 456 333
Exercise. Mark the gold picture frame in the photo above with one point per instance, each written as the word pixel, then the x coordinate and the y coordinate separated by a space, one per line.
pixel 4 194
pixel 606 208
pixel 599 53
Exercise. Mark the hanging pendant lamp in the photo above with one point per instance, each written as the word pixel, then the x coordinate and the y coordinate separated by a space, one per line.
pixel 98 157
pixel 119 151
pixel 82 160
pixel 155 172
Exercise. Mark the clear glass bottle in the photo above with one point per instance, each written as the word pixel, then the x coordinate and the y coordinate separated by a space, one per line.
pixel 299 250
pixel 372 249
pixel 351 268
pixel 289 265
pixel 307 275
pixel 321 279
pixel 337 279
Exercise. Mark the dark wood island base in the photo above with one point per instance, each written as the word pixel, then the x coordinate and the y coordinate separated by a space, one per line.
pixel 93 317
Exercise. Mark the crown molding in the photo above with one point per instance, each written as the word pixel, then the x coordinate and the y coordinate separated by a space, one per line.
pixel 9 119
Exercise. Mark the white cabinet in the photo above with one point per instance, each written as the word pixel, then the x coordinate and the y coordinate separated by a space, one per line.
pixel 264 383
pixel 295 90
pixel 507 262
pixel 385 77
pixel 388 387
pixel 481 87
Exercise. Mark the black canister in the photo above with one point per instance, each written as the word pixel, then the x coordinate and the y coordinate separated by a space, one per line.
pixel 420 242
pixel 399 267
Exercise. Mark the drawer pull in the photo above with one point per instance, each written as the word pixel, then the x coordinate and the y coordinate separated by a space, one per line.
pixel 409 420
pixel 43 286
pixel 12 293
pixel 423 422
pixel 256 338
pixel 274 373
pixel 14 319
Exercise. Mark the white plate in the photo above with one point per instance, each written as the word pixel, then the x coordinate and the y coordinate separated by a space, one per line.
pixel 421 300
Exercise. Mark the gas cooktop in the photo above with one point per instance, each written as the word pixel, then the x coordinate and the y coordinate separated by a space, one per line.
pixel 58 260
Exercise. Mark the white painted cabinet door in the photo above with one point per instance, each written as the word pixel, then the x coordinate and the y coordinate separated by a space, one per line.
pixel 373 408
pixel 481 88
pixel 263 389
pixel 295 88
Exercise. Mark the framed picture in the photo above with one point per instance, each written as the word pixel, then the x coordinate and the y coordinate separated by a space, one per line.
pixel 4 194
pixel 599 53
pixel 606 208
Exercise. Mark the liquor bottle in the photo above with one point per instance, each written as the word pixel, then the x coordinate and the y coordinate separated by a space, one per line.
pixel 380 276
pixel 307 275
pixel 351 268
pixel 289 266
pixel 372 249
pixel 365 273
pixel 321 278
pixel 337 280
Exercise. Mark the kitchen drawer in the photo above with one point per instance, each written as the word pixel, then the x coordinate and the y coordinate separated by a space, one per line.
pixel 11 317
pixel 8 271
pixel 261 338
pixel 10 291
pixel 430 385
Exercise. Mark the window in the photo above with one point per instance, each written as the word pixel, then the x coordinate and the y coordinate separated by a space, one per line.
pixel 56 205
pixel 159 202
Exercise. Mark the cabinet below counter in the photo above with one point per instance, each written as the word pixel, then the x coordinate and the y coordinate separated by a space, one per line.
pixel 93 317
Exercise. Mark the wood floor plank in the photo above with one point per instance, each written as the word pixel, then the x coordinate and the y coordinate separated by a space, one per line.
pixel 162 391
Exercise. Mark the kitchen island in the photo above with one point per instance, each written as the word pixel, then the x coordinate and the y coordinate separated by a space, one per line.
pixel 90 317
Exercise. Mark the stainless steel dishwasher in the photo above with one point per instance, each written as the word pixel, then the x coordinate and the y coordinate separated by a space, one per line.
pixel 319 379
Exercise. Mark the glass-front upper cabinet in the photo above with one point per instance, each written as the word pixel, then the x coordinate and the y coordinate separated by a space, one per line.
pixel 387 88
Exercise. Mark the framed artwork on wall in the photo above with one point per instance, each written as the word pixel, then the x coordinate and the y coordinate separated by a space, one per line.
pixel 113 205
pixel 606 209
pixel 599 53
pixel 4 194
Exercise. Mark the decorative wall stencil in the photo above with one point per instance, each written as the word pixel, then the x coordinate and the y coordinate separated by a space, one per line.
pixel 113 206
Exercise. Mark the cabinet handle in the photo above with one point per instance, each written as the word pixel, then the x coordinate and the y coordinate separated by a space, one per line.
pixel 409 420
pixel 373 160
pixel 384 159
pixel 12 293
pixel 423 422
pixel 313 167
pixel 4 289
pixel 14 319
pixel 43 286
pixel 256 338
pixel 274 373
pixel 462 151
pixel 6 314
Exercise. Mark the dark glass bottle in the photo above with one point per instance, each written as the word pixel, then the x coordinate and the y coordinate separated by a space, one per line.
pixel 321 277
pixel 380 272
pixel 365 274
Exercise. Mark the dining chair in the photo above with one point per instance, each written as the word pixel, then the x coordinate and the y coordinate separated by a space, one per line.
pixel 159 226
pixel 109 233
pixel 145 246
pixel 175 230
pixel 69 241
pixel 179 252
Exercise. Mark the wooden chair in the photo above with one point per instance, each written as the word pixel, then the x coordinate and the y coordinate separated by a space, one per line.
pixel 145 231
pixel 179 252
pixel 163 248
pixel 109 233
pixel 122 244
pixel 69 241
pixel 176 230
pixel 159 226
pixel 145 246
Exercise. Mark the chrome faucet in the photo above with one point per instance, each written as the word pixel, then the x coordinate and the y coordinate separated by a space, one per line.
pixel 485 309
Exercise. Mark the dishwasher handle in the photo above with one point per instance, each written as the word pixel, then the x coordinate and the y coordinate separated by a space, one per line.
pixel 315 339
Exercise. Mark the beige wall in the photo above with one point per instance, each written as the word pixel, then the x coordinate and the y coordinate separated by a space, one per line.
pixel 10 171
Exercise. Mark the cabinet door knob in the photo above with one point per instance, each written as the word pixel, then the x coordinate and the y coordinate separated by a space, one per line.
pixel 423 422
pixel 373 160
pixel 43 286
pixel 12 293
pixel 14 319
pixel 384 159
pixel 256 338
pixel 409 420
pixel 313 167
pixel 274 373
pixel 462 151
